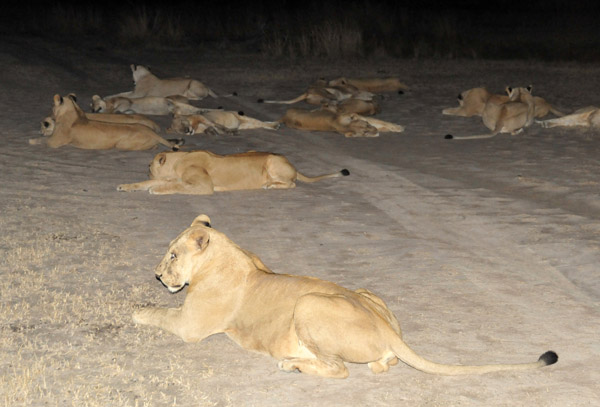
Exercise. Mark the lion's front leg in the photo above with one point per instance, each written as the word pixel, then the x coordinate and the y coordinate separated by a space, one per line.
pixel 140 186
pixel 170 319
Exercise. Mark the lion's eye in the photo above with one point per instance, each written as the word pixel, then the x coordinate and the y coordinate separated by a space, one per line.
pixel 173 256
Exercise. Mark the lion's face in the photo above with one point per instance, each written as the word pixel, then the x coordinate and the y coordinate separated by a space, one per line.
pixel 47 126
pixel 357 127
pixel 139 72
pixel 98 104
pixel 185 256
pixel 180 125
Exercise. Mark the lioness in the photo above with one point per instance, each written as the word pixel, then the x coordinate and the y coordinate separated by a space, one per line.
pixel 147 84
pixel 47 125
pixel 202 173
pixel 373 85
pixel 321 92
pixel 509 117
pixel 153 105
pixel 352 105
pixel 71 126
pixel 309 325
pixel 585 117
pixel 472 103
pixel 325 120
pixel 217 122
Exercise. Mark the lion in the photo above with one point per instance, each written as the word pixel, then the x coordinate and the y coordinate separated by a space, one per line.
pixel 585 117
pixel 71 126
pixel 320 93
pixel 373 85
pixel 47 125
pixel 147 84
pixel 217 122
pixel 152 105
pixel 309 325
pixel 472 103
pixel 326 120
pixel 202 173
pixel 353 105
pixel 509 117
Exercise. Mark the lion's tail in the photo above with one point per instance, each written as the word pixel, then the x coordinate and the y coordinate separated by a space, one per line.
pixel 304 178
pixel 285 102
pixel 556 112
pixel 173 143
pixel 411 358
pixel 482 136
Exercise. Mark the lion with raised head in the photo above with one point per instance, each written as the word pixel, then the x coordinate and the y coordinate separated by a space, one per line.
pixel 509 117
pixel 202 173
pixel 147 84
pixel 307 324
pixel 217 122
pixel 373 85
pixel 71 126
pixel 472 102
pixel 152 105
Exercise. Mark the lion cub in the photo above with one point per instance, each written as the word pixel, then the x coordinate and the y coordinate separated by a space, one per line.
pixel 202 173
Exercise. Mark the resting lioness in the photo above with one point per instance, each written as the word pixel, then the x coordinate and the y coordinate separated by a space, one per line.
pixel 510 117
pixel 472 102
pixel 321 92
pixel 585 117
pixel 374 85
pixel 153 105
pixel 217 122
pixel 71 126
pixel 202 173
pixel 325 120
pixel 309 325
pixel 147 84
pixel 47 125
pixel 352 105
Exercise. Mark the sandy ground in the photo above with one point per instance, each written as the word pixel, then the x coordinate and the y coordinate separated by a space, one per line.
pixel 486 250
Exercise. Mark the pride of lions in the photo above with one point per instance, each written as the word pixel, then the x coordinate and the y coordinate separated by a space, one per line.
pixel 307 324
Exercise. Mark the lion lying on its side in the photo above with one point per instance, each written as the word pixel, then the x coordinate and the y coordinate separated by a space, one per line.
pixel 350 125
pixel 202 173
pixel 218 122
pixel 585 117
pixel 71 126
pixel 47 125
pixel 147 84
pixel 309 325
pixel 472 102
pixel 321 92
pixel 373 85
pixel 153 105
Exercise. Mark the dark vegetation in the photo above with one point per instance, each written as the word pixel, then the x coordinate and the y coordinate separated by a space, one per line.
pixel 543 30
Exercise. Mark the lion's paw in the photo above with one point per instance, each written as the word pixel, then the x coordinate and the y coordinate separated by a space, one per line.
pixel 288 366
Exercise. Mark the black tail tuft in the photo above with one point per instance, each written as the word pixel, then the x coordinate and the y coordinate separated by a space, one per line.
pixel 260 101
pixel 220 107
pixel 345 172
pixel 549 358
pixel 234 94
pixel 401 92
pixel 448 136
pixel 241 113
pixel 177 142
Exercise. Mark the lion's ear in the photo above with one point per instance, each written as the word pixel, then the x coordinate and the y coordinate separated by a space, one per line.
pixel 58 100
pixel 132 66
pixel 198 239
pixel 73 97
pixel 201 220
pixel 162 157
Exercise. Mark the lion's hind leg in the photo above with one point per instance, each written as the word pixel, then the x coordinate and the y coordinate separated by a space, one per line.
pixel 194 181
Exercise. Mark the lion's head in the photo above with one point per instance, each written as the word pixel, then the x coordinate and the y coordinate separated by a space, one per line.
pixel 186 254
pixel 180 125
pixel 98 104
pixel 65 106
pixel 356 126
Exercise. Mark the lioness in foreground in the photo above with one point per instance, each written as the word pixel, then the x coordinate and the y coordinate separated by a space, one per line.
pixel 153 105
pixel 309 325
pixel 202 173
pixel 472 102
pixel 217 122
pixel 71 126
pixel 585 117
pixel 510 117
pixel 148 84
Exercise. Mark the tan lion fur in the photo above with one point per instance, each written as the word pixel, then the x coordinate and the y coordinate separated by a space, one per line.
pixel 152 105
pixel 47 125
pixel 472 103
pixel 326 120
pixel 202 173
pixel 71 126
pixel 218 122
pixel 307 324
pixel 585 117
pixel 373 85
pixel 320 93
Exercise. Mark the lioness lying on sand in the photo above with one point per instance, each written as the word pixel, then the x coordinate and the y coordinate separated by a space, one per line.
pixel 308 325
pixel 509 117
pixel 472 102
pixel 147 84
pixel 202 173
pixel 321 92
pixel 47 125
pixel 350 125
pixel 373 85
pixel 217 122
pixel 71 126
pixel 152 105
pixel 585 117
